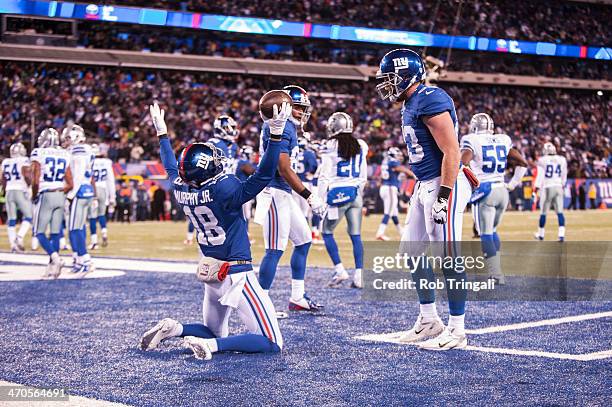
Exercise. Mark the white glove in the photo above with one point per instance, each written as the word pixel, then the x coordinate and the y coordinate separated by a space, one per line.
pixel 439 210
pixel 510 186
pixel 318 206
pixel 157 115
pixel 279 118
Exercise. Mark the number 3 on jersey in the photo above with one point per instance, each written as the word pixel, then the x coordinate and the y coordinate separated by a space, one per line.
pixel 210 233
pixel 415 150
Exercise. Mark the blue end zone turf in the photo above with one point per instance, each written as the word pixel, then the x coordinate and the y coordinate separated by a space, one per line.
pixel 82 335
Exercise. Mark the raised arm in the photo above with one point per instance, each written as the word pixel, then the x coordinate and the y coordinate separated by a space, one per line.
pixel 165 148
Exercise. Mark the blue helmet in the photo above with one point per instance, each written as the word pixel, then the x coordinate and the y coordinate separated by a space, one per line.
pixel 299 96
pixel 226 128
pixel 199 162
pixel 399 69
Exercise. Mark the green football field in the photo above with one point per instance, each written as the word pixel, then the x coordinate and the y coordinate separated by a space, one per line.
pixel 164 240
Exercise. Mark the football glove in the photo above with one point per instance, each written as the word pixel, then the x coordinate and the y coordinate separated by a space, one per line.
pixel 318 206
pixel 439 209
pixel 157 115
pixel 279 119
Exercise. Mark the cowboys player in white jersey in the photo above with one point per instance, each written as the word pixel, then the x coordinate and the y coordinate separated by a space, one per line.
pixel 50 179
pixel 429 125
pixel 15 184
pixel 104 179
pixel 550 183
pixel 343 175
pixel 488 154
pixel 79 198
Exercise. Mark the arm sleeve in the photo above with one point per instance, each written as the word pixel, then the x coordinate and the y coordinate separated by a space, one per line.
pixel 324 178
pixel 168 158
pixel 519 172
pixel 110 181
pixel 260 179
pixel 466 143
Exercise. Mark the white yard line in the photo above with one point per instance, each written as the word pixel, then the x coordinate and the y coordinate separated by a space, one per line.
pixel 73 401
pixel 393 337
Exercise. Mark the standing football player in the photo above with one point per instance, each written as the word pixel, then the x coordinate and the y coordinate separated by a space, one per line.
pixel 104 179
pixel 79 198
pixel 278 212
pixel 305 168
pixel 51 178
pixel 390 171
pixel 488 154
pixel 344 172
pixel 429 126
pixel 213 200
pixel 550 182
pixel 15 184
pixel 226 133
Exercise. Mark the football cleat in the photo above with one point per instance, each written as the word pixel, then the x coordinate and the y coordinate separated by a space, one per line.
pixel 304 304
pixel 104 241
pixel 199 346
pixel 55 268
pixel 383 238
pixel 338 278
pixel 19 245
pixel 447 340
pixel 93 246
pixel 47 273
pixel 561 239
pixel 538 237
pixel 423 329
pixel 166 328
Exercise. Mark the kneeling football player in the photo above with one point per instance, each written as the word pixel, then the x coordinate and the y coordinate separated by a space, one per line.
pixel 212 199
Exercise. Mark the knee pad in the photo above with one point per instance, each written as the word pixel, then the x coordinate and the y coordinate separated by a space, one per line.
pixel 488 245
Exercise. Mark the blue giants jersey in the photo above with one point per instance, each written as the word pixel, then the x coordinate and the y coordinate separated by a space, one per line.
pixel 229 151
pixel 289 146
pixel 306 164
pixel 242 176
pixel 215 208
pixel 389 177
pixel 423 152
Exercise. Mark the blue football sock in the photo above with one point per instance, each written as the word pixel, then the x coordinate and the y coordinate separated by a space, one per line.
pixel 83 241
pixel 457 295
pixel 542 220
pixel 298 261
pixel 395 220
pixel 357 250
pixel 55 241
pixel 385 219
pixel 190 227
pixel 332 248
pixel 267 269
pixel 102 220
pixel 12 223
pixel 92 226
pixel 316 220
pixel 497 241
pixel 488 245
pixel 45 243
pixel 199 330
pixel 249 343
pixel 426 295
pixel 73 236
pixel 28 219
pixel 561 219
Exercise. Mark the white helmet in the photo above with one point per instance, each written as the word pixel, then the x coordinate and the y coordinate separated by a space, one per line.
pixel 49 137
pixel 481 123
pixel 549 149
pixel 226 128
pixel 73 134
pixel 95 150
pixel 18 150
pixel 338 123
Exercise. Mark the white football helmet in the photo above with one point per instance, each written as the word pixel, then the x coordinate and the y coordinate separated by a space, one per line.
pixel 338 123
pixel 549 149
pixel 49 137
pixel 395 153
pixel 226 128
pixel 73 134
pixel 18 150
pixel 481 123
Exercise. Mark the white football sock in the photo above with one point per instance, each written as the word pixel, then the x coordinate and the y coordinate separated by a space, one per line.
pixel 212 344
pixel 428 311
pixel 457 322
pixel 23 229
pixel 541 232
pixel 34 243
pixel 189 236
pixel 381 229
pixel 297 289
pixel 62 243
pixel 86 258
pixel 94 238
pixel 104 233
pixel 339 268
pixel 12 235
pixel 562 231
pixel 55 257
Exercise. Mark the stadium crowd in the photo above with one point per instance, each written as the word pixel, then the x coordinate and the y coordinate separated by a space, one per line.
pixel 111 105
pixel 535 20
pixel 127 37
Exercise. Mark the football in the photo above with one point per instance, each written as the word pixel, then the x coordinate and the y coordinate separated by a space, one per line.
pixel 271 98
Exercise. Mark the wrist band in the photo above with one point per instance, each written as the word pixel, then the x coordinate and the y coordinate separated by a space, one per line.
pixel 444 192
pixel 305 193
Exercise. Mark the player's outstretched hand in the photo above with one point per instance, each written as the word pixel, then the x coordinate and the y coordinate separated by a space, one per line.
pixel 157 115
pixel 439 211
pixel 318 206
pixel 279 119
